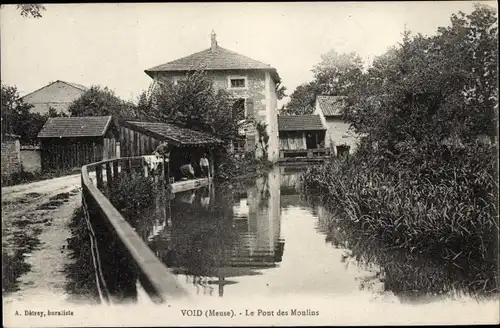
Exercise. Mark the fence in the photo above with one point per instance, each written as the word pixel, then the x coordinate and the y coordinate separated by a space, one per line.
pixel 123 256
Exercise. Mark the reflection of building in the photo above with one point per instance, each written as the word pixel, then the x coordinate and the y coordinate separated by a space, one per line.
pixel 261 238
pixel 222 233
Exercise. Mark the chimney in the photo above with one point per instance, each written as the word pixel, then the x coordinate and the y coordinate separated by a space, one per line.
pixel 214 41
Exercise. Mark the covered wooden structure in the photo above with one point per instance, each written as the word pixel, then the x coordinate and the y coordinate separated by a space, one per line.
pixel 301 135
pixel 184 145
pixel 71 142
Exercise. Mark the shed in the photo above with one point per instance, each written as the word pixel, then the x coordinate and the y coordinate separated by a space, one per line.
pixel 300 132
pixel 71 142
pixel 139 138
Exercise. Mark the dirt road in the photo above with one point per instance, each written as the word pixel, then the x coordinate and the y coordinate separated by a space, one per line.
pixel 34 236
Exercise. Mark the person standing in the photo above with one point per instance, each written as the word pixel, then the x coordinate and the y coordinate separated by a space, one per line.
pixel 204 165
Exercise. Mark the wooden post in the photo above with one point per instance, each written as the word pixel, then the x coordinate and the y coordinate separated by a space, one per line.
pixel 109 177
pixel 128 166
pixel 115 169
pixel 146 167
pixel 98 174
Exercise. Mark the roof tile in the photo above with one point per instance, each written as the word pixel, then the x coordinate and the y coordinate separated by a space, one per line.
pixel 70 127
pixel 218 59
pixel 300 123
pixel 331 105
pixel 180 135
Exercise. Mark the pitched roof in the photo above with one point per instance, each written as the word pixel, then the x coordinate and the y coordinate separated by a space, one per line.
pixel 74 85
pixel 331 105
pixel 300 123
pixel 70 127
pixel 173 133
pixel 210 60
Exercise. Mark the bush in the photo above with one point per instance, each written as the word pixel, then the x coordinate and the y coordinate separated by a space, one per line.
pixel 131 193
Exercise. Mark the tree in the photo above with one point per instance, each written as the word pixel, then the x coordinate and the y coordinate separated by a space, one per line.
pixel 431 89
pixel 280 91
pixel 99 101
pixel 31 10
pixel 302 100
pixel 194 103
pixel 337 74
pixel 17 118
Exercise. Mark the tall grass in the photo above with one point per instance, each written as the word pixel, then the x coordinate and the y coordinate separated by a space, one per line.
pixel 440 202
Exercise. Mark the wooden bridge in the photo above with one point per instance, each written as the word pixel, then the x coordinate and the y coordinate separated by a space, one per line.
pixel 299 156
pixel 130 255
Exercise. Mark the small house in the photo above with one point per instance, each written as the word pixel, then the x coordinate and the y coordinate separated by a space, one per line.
pixel 300 135
pixel 184 145
pixel 339 135
pixel 71 142
pixel 57 95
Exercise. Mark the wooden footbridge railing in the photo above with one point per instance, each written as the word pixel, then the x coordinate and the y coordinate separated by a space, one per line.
pixel 123 257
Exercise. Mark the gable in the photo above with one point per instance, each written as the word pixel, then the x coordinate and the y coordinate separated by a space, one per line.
pixel 213 60
pixel 57 92
pixel 71 127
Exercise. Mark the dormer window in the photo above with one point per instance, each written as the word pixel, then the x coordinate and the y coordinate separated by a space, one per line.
pixel 237 82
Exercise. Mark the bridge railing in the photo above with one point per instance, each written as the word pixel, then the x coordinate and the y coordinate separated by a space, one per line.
pixel 307 153
pixel 122 256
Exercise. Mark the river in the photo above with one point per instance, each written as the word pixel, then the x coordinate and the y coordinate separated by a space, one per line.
pixel 260 237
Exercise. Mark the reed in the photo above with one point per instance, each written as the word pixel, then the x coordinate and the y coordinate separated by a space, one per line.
pixel 441 203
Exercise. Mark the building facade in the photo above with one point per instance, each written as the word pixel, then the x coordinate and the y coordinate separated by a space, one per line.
pixel 250 82
pixel 339 135
pixel 71 142
pixel 58 95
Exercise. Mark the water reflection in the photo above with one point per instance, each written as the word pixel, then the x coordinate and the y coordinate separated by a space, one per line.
pixel 229 240
pixel 214 234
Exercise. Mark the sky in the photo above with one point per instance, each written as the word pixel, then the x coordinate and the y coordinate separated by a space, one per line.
pixel 112 44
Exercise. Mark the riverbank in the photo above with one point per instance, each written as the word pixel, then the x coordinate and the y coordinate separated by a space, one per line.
pixel 443 208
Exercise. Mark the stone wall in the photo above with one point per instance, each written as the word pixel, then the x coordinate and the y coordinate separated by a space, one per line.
pixel 11 157
pixel 31 159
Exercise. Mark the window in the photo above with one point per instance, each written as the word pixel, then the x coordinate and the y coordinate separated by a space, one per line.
pixel 237 82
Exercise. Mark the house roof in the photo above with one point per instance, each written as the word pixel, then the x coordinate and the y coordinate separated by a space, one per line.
pixel 74 85
pixel 331 105
pixel 211 60
pixel 70 127
pixel 300 123
pixel 175 134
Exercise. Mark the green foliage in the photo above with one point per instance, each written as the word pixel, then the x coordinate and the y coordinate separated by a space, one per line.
pixel 194 103
pixel 17 118
pixel 99 101
pixel 423 204
pixel 302 100
pixel 337 74
pixel 31 10
pixel 263 137
pixel 433 88
pixel 132 193
pixel 424 178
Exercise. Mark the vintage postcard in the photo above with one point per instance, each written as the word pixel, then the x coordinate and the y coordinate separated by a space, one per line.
pixel 243 164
